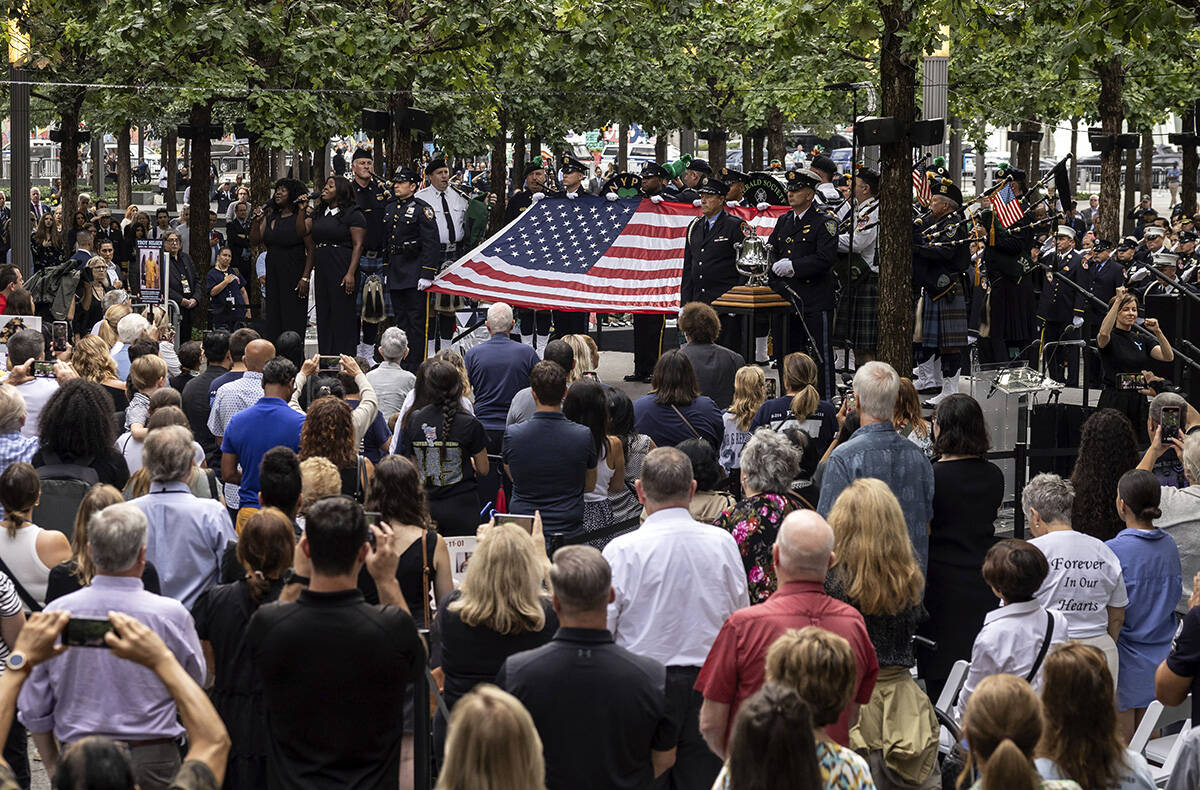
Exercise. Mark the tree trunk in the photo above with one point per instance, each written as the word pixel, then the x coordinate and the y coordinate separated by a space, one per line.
pixel 518 157
pixel 687 142
pixel 718 143
pixel 980 165
pixel 1025 151
pixel 756 150
pixel 198 227
pixel 69 164
pixel 124 169
pixel 1187 180
pixel 171 153
pixel 775 135
pixel 260 172
pixel 318 168
pixel 898 79
pixel 1073 172
pixel 498 167
pixel 660 147
pixel 400 141
pixel 141 132
pixel 622 147
pixel 1146 168
pixel 1130 188
pixel 1112 113
pixel 535 147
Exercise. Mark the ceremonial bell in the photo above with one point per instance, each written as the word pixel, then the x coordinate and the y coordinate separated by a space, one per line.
pixel 753 259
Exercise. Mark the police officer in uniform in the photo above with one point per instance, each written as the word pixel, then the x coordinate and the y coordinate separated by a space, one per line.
pixel 805 241
pixel 695 170
pixel 414 257
pixel 1153 241
pixel 574 322
pixel 736 181
pixel 450 211
pixel 532 322
pixel 1059 308
pixel 372 196
pixel 1101 277
pixel 710 257
pixel 648 327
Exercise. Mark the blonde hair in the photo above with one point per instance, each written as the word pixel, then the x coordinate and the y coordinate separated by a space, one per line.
pixel 96 499
pixel 873 553
pixel 502 589
pixel 319 478
pixel 800 377
pixel 749 394
pixel 455 359
pixel 146 371
pixel 585 361
pixel 1003 724
pixel 492 744
pixel 819 665
pixel 91 360
pixel 112 317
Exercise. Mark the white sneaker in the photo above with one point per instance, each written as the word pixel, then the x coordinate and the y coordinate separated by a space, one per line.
pixel 366 351
pixel 949 387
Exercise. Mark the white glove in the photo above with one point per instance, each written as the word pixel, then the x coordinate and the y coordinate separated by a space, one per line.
pixel 732 203
pixel 763 206
pixel 1139 275
pixel 611 197
pixel 423 285
pixel 696 203
pixel 538 196
pixel 680 311
pixel 1077 321
pixel 783 267
pixel 656 199
pixel 572 195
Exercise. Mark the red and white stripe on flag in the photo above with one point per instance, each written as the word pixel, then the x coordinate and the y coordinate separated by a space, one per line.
pixel 1007 206
pixel 921 185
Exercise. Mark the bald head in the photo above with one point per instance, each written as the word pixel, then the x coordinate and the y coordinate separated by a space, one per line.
pixel 257 354
pixel 804 547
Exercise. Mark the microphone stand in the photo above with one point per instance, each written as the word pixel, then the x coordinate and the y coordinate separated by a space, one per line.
pixel 798 303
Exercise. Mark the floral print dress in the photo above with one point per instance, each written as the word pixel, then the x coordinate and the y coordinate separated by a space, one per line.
pixel 754 523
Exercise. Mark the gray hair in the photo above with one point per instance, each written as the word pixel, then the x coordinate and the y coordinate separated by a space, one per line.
pixel 12 409
pixel 114 297
pixel 1164 399
pixel 394 344
pixel 500 317
pixel 116 535
pixel 1051 496
pixel 667 476
pixel 877 386
pixel 168 454
pixel 1191 458
pixel 580 579
pixel 805 541
pixel 770 462
pixel 131 327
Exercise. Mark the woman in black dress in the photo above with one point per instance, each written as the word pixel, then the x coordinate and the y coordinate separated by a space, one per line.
pixel 338 230
pixel 222 613
pixel 283 229
pixel 1125 352
pixel 967 492
pixel 46 246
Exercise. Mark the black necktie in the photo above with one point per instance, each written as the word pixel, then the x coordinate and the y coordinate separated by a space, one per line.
pixel 449 221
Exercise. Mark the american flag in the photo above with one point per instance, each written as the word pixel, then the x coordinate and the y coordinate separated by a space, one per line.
pixel 921 184
pixel 1007 206
pixel 587 254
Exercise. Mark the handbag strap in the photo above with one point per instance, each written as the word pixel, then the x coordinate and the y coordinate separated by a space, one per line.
pixel 685 422
pixel 1037 662
pixel 27 599
pixel 425 578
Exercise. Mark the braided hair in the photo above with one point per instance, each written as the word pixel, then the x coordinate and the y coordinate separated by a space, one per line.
pixel 444 387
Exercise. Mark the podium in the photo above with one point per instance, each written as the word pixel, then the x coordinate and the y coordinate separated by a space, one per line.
pixel 755 301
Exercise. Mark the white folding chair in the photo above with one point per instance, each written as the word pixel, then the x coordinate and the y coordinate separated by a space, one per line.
pixel 1161 752
pixel 944 707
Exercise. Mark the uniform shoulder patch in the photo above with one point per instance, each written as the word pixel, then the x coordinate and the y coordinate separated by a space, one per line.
pixel 831 226
pixel 428 213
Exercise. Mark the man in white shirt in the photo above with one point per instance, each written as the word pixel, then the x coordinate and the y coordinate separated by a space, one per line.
pixel 23 347
pixel 450 212
pixel 675 581
pixel 1180 506
pixel 1084 581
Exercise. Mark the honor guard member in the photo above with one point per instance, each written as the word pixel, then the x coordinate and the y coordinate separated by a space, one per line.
pixel 449 214
pixel 805 241
pixel 1153 241
pixel 827 193
pixel 1011 304
pixel 414 257
pixel 570 322
pixel 710 257
pixel 1185 248
pixel 1060 310
pixel 655 180
pixel 695 170
pixel 858 313
pixel 736 181
pixel 1166 264
pixel 534 324
pixel 940 259
pixel 372 196
pixel 1102 276
pixel 648 327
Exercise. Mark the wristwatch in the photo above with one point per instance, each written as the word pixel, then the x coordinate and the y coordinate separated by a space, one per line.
pixel 16 662
pixel 291 577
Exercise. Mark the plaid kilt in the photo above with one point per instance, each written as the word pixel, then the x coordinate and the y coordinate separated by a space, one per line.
pixel 944 322
pixel 367 267
pixel 857 320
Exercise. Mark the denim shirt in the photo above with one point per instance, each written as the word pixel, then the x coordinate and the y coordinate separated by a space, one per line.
pixel 878 451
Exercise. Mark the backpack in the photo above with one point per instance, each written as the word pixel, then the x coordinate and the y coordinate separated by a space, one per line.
pixel 53 288
pixel 63 488
pixel 372 300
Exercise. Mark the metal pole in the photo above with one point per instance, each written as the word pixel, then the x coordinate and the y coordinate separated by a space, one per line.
pixel 422 725
pixel 21 228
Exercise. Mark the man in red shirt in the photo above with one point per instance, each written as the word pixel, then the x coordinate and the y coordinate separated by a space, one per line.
pixel 10 280
pixel 736 664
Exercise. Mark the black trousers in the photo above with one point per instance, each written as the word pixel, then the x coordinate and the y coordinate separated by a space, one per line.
pixel 409 308
pixel 647 341
pixel 733 333
pixel 533 322
pixel 568 323
pixel 819 326
pixel 696 767
pixel 283 310
pixel 16 753
pixel 337 318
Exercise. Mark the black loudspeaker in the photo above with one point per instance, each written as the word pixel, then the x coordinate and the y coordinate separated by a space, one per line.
pixel 928 132
pixel 375 121
pixel 877 131
pixel 417 120
pixel 1055 426
pixel 1129 141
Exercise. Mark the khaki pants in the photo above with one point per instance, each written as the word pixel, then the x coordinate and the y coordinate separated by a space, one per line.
pixel 244 515
pixel 1108 647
